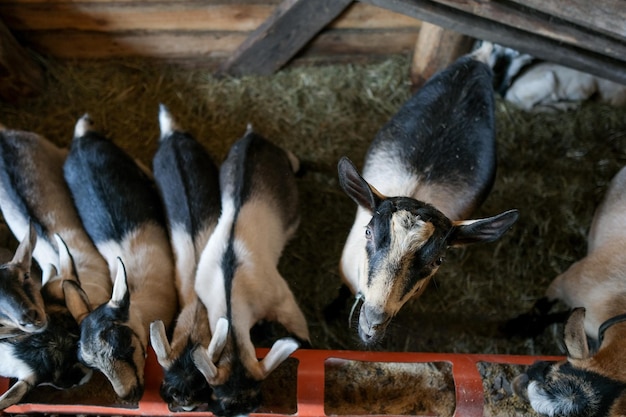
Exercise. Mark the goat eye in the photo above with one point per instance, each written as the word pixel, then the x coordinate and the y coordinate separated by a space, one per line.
pixel 26 275
pixel 439 261
pixel 368 233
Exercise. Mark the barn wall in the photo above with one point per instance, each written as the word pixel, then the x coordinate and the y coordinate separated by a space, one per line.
pixel 205 31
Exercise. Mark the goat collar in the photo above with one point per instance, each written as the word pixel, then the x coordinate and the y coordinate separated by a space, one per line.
pixel 610 322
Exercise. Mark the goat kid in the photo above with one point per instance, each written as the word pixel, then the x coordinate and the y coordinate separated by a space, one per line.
pixel 33 191
pixel 590 382
pixel 121 210
pixel 49 356
pixel 427 169
pixel 188 181
pixel 21 304
pixel 535 85
pixel 238 280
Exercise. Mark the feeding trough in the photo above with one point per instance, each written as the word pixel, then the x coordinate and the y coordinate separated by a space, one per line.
pixel 333 382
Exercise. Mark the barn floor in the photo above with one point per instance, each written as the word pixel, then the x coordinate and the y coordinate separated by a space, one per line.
pixel 552 167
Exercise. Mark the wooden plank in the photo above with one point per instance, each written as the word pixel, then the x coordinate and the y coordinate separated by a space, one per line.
pixel 210 46
pixel 364 16
pixel 361 42
pixel 436 48
pixel 112 17
pixel 604 16
pixel 20 75
pixel 276 41
pixel 103 17
pixel 161 45
pixel 531 21
pixel 528 42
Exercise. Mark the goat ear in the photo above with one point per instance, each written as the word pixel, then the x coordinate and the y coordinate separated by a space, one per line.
pixel 24 252
pixel 488 229
pixel 48 272
pixel 355 186
pixel 76 300
pixel 14 394
pixel 279 352
pixel 121 296
pixel 204 364
pixel 160 344
pixel 7 332
pixel 218 339
pixel 66 263
pixel 574 335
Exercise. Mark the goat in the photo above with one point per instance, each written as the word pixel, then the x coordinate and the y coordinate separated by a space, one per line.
pixel 48 356
pixel 21 305
pixel 535 85
pixel 589 382
pixel 33 190
pixel 238 280
pixel 121 210
pixel 188 181
pixel 427 169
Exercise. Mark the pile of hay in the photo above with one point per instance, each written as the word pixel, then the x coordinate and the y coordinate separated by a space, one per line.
pixel 553 168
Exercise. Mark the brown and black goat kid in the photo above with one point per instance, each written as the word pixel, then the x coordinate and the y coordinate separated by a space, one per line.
pixel 591 381
pixel 238 278
pixel 188 181
pixel 33 192
pixel 48 356
pixel 122 212
pixel 425 172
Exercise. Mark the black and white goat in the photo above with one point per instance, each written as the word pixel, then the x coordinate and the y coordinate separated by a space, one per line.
pixel 33 190
pixel 238 279
pixel 591 382
pixel 21 305
pixel 188 181
pixel 48 356
pixel 535 85
pixel 121 210
pixel 425 172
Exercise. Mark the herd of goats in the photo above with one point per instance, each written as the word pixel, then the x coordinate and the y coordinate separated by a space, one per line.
pixel 183 257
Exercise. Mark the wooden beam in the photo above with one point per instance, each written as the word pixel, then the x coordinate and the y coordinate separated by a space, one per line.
pixel 20 75
pixel 548 26
pixel 213 48
pixel 278 39
pixel 435 49
pixel 604 16
pixel 533 43
pixel 188 16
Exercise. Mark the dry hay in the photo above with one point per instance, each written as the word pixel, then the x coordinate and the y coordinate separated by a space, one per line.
pixel 554 168
pixel 393 388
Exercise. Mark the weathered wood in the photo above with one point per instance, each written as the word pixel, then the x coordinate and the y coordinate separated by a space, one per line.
pixel 528 42
pixel 188 16
pixel 20 75
pixel 160 45
pixel 212 47
pixel 276 41
pixel 529 20
pixel 604 16
pixel 436 48
pixel 365 16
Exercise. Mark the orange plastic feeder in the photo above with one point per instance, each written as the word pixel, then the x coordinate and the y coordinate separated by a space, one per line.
pixel 310 376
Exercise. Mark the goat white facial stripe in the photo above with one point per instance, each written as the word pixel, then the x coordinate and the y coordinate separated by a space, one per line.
pixel 408 233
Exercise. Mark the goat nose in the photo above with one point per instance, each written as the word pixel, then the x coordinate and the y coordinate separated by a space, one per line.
pixel 374 317
pixel 32 319
pixel 134 394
